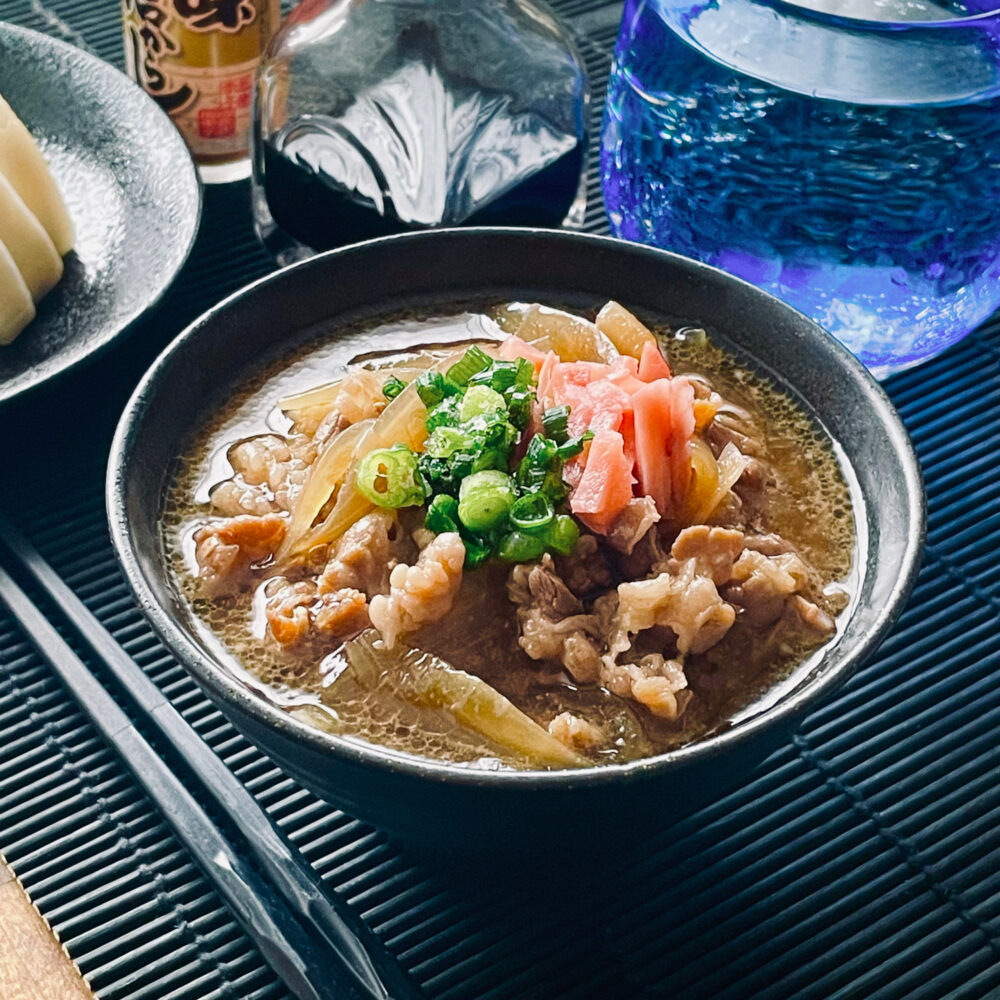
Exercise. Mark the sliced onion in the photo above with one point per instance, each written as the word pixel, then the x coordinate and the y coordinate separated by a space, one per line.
pixel 426 681
pixel 326 475
pixel 627 332
pixel 704 480
pixel 320 395
pixel 572 338
pixel 325 396
pixel 731 464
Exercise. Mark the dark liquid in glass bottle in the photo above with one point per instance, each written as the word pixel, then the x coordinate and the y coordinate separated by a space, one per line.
pixel 418 149
pixel 318 210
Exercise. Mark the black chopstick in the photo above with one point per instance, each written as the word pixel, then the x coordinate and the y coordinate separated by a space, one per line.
pixel 281 939
pixel 290 887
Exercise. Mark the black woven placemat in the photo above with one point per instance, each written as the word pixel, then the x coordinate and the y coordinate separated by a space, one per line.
pixel 862 862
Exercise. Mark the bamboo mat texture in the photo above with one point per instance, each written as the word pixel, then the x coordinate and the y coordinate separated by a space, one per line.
pixel 863 861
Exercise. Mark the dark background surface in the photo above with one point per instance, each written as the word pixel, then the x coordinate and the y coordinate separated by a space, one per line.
pixel 864 861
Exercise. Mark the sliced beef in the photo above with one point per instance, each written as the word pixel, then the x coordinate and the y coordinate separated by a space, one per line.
pixel 811 614
pixel 733 425
pixel 329 427
pixel 549 594
pixel 341 613
pixel 587 571
pixel 632 524
pixel 657 683
pixel 713 550
pixel 226 550
pixel 364 556
pixel 287 609
pixel 576 733
pixel 684 601
pixel 569 641
pixel 258 459
pixel 647 557
pixel 770 544
pixel 234 497
pixel 274 466
pixel 755 490
pixel 759 585
pixel 422 593
pixel 360 396
pixel 297 609
pixel 552 623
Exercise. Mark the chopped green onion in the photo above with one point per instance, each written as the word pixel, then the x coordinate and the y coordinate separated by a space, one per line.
pixel 518 547
pixel 541 452
pixel 532 513
pixel 442 514
pixel 444 414
pixel 554 487
pixel 534 467
pixel 389 477
pixel 477 550
pixel 393 387
pixel 500 375
pixel 562 535
pixel 484 499
pixel 445 475
pixel 554 423
pixel 499 433
pixel 525 373
pixel 480 400
pixel 574 445
pixel 445 441
pixel 476 412
pixel 519 404
pixel 430 388
pixel 490 459
pixel 541 470
pixel 504 375
pixel 474 360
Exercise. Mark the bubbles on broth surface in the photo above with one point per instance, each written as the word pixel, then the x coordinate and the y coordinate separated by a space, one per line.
pixel 811 508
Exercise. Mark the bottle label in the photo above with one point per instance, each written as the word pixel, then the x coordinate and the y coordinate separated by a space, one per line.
pixel 217 121
pixel 216 15
pixel 210 104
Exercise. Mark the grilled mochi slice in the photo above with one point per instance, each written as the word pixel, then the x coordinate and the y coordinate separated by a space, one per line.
pixel 28 243
pixel 22 163
pixel 17 309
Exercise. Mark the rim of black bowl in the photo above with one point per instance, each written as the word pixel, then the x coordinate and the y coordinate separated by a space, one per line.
pixel 228 686
pixel 131 322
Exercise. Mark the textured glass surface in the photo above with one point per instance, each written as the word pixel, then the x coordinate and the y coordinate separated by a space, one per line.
pixel 393 115
pixel 851 167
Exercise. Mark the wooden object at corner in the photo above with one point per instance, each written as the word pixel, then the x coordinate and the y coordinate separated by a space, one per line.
pixel 33 964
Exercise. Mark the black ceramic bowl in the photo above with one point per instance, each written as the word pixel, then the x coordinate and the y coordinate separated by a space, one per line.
pixel 447 805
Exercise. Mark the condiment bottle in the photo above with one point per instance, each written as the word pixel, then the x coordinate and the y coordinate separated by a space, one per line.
pixel 197 59
pixel 382 116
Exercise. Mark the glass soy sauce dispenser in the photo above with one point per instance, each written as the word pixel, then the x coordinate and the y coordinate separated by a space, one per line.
pixel 375 117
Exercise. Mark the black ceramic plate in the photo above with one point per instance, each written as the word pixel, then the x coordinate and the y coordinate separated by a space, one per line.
pixel 131 189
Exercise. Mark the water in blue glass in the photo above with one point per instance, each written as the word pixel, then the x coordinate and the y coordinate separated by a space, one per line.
pixel 851 168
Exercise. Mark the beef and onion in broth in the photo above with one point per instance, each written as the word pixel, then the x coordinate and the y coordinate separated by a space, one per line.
pixel 514 538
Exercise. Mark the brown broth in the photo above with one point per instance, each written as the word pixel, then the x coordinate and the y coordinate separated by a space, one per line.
pixel 812 509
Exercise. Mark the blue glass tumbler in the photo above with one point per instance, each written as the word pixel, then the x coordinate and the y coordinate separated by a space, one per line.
pixel 842 154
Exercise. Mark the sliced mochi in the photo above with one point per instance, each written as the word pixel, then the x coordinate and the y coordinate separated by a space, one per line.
pixel 22 163
pixel 28 243
pixel 16 307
